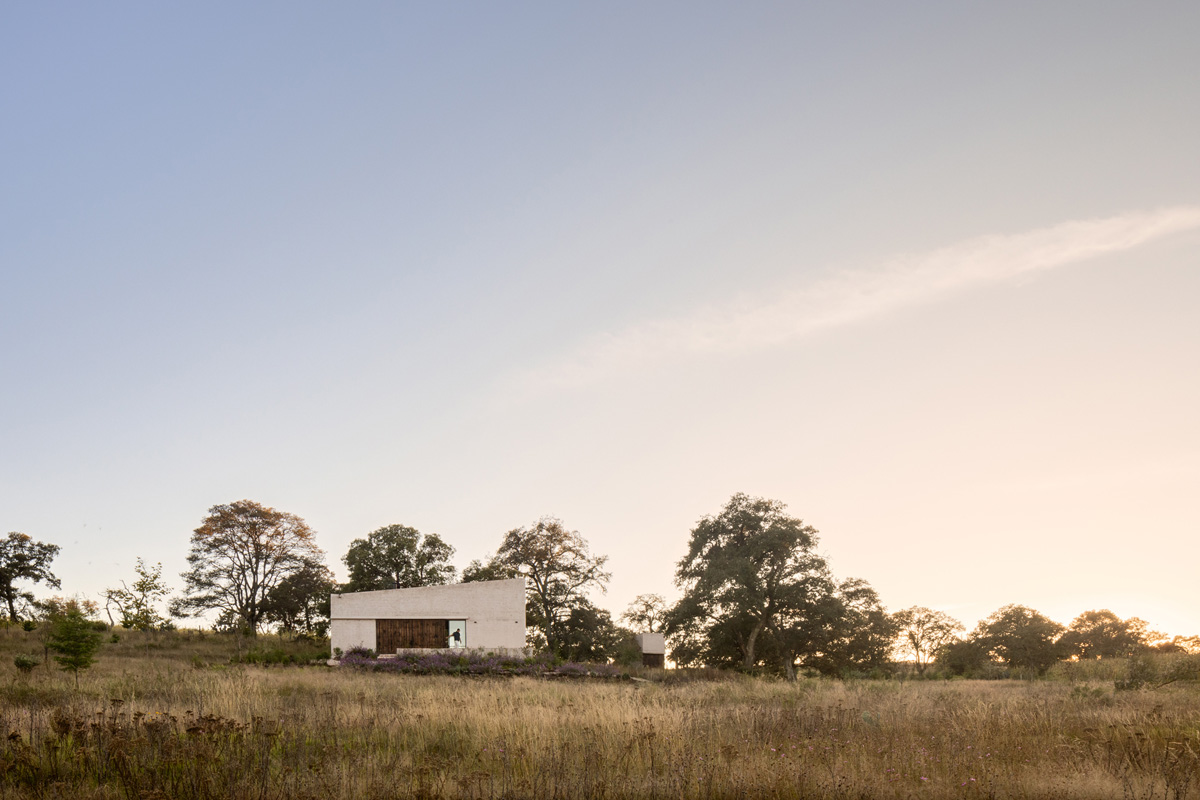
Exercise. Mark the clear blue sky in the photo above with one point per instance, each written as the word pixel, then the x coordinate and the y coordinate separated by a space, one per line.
pixel 926 273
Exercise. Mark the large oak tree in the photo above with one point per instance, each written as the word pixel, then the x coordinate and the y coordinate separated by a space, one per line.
pixel 750 571
pixel 558 569
pixel 1102 634
pixel 756 593
pixel 240 554
pixel 1020 637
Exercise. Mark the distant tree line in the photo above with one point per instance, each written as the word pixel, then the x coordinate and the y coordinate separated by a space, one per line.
pixel 755 596
pixel 1023 639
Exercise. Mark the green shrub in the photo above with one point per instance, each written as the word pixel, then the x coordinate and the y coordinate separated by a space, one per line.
pixel 74 641
pixel 277 655
pixel 962 658
pixel 1083 693
pixel 1141 672
pixel 25 663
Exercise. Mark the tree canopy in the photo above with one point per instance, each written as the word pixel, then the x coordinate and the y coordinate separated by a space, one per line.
pixel 923 632
pixel 487 569
pixel 961 656
pixel 856 632
pixel 24 559
pixel 646 612
pixel 137 604
pixel 558 568
pixel 753 571
pixel 397 556
pixel 589 634
pixel 299 604
pixel 1020 637
pixel 1102 634
pixel 240 553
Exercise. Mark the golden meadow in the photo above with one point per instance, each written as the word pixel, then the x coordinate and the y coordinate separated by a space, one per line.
pixel 166 716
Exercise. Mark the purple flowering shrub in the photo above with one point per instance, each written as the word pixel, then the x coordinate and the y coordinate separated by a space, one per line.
pixel 475 663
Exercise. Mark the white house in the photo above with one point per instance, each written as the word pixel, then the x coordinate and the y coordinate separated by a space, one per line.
pixel 483 615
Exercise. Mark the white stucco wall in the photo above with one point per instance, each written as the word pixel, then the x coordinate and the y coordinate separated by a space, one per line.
pixel 652 643
pixel 494 611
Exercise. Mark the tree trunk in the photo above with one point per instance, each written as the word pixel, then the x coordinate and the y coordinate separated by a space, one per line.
pixel 748 655
pixel 786 657
pixel 551 645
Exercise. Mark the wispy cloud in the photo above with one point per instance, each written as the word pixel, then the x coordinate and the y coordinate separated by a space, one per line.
pixel 855 295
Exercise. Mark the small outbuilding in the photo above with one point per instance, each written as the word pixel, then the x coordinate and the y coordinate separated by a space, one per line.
pixel 654 649
pixel 482 615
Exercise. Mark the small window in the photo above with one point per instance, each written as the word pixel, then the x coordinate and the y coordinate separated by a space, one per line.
pixel 457 633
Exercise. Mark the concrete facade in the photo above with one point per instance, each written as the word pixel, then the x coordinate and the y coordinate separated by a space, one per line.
pixel 654 649
pixel 652 643
pixel 494 612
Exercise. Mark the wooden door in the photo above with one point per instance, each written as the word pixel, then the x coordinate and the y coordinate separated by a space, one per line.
pixel 399 634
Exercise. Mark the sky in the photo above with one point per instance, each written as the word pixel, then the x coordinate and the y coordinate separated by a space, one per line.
pixel 926 273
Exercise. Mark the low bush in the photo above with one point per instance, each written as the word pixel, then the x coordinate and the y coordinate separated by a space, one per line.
pixel 1154 671
pixel 279 656
pixel 26 664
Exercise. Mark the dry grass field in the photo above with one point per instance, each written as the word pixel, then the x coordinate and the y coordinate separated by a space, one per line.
pixel 168 718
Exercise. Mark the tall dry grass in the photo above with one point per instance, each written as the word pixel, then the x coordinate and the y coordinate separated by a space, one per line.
pixel 147 727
